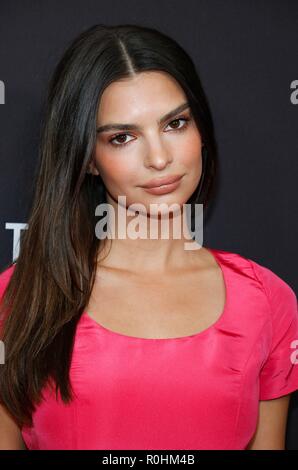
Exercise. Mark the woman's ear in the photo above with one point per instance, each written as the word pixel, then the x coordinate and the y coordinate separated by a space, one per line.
pixel 92 169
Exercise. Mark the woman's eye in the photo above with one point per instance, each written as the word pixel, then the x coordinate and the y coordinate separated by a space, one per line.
pixel 115 140
pixel 119 136
pixel 177 121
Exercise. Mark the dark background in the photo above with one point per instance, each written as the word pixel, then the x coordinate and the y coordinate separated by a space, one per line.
pixel 246 53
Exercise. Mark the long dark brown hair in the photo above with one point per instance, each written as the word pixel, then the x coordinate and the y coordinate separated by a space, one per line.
pixel 54 273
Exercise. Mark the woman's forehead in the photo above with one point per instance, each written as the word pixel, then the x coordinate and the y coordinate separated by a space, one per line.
pixel 133 98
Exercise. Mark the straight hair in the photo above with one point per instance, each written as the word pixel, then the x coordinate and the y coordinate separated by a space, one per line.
pixel 53 276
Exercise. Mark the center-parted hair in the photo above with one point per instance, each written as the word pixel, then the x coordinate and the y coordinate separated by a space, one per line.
pixel 54 274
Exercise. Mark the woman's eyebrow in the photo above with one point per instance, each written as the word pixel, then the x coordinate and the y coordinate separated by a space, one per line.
pixel 124 127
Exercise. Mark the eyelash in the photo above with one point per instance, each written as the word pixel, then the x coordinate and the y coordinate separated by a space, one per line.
pixel 180 129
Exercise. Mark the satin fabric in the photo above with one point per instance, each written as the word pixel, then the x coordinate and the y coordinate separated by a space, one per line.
pixel 200 391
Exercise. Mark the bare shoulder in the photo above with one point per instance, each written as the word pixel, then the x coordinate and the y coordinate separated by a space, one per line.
pixel 201 258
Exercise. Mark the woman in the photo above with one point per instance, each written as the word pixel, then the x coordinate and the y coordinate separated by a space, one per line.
pixel 147 345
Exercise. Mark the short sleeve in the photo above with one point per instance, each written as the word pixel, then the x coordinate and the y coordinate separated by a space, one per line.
pixel 279 373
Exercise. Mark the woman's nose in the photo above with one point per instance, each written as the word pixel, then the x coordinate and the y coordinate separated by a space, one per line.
pixel 158 154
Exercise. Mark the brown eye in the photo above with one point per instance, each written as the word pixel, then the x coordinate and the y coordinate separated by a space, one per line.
pixel 176 123
pixel 122 141
pixel 119 140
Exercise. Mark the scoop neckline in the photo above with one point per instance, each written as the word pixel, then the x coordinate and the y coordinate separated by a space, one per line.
pixel 199 334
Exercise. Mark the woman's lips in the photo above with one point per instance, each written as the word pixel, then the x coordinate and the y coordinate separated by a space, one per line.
pixel 161 181
pixel 163 189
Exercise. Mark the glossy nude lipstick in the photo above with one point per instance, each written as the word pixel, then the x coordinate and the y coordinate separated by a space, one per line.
pixel 163 185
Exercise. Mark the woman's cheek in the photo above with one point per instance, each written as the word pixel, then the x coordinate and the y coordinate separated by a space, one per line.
pixel 191 160
pixel 119 171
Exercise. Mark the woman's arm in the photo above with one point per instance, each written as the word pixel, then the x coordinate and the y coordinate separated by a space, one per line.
pixel 271 428
pixel 10 434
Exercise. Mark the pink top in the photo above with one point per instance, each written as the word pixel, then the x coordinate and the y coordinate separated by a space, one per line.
pixel 200 391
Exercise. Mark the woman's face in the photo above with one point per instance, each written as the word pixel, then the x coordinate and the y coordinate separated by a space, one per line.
pixel 128 158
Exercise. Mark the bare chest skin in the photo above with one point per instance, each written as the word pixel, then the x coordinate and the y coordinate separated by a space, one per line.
pixel 182 303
